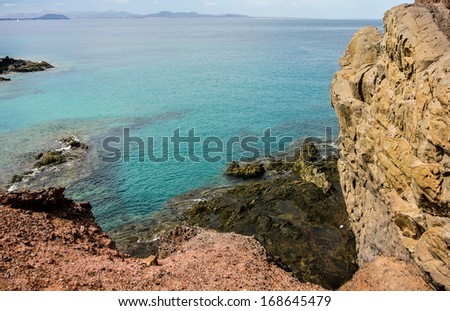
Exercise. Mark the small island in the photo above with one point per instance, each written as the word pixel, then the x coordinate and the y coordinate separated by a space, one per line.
pixel 51 17
pixel 9 65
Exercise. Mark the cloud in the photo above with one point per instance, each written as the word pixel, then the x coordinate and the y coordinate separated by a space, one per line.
pixel 10 4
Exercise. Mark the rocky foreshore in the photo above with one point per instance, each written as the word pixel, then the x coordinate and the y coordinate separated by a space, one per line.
pixel 9 65
pixel 383 206
pixel 50 163
pixel 49 242
pixel 280 203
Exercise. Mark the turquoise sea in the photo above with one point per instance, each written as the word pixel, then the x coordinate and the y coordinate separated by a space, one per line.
pixel 221 77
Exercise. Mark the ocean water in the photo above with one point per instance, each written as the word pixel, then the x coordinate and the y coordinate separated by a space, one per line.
pixel 221 77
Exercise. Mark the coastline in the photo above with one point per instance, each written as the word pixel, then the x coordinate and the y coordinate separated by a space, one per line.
pixel 284 207
pixel 381 205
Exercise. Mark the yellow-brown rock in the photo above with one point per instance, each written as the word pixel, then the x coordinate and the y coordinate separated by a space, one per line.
pixel 392 101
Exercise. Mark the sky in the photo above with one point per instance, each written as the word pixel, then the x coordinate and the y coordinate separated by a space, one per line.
pixel 354 9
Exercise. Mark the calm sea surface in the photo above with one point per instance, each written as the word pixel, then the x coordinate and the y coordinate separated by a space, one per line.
pixel 221 77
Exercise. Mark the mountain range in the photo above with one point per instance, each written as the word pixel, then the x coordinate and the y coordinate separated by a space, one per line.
pixel 112 14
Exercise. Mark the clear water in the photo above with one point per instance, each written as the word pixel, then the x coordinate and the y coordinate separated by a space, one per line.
pixel 223 77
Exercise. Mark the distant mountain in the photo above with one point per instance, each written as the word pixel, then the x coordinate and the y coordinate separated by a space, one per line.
pixel 50 16
pixel 71 15
pixel 168 14
pixel 103 14
pixel 43 17
pixel 111 14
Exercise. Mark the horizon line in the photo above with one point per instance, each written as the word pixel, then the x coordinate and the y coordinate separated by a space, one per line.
pixel 143 15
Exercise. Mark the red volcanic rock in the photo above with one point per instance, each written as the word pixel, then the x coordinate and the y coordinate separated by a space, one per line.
pixel 48 242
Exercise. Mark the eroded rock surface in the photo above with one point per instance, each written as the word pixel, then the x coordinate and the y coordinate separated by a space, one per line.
pixel 392 101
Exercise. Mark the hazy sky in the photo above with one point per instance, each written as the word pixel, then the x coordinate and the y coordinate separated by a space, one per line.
pixel 286 8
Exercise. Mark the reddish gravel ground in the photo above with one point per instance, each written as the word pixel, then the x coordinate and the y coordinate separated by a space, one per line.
pixel 50 243
pixel 58 246
pixel 386 274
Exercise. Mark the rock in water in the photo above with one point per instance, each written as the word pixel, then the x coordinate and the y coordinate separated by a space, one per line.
pixel 10 65
pixel 392 101
pixel 297 222
pixel 245 170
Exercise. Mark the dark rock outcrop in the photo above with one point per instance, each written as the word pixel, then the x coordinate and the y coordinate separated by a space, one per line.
pixel 299 218
pixel 48 200
pixel 10 65
pixel 245 170
pixel 49 158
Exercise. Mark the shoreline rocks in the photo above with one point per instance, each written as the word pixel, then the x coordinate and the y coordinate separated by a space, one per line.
pixel 285 207
pixel 71 150
pixel 9 65
pixel 245 170
pixel 302 227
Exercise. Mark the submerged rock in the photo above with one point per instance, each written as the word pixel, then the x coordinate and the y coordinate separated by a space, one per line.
pixel 50 158
pixel 45 164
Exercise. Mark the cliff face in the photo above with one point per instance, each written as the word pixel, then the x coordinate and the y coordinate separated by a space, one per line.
pixel 392 101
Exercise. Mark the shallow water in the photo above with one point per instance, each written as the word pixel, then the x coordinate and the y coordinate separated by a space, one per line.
pixel 222 77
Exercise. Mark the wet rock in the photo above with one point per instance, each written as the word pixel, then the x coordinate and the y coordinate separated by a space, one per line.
pixel 9 65
pixel 71 152
pixel 280 166
pixel 50 158
pixel 310 153
pixel 245 170
pixel 72 142
pixel 295 221
pixel 16 178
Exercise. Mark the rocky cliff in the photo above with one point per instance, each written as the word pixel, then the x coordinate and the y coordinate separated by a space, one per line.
pixel 392 101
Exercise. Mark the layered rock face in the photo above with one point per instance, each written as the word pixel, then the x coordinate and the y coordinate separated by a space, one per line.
pixel 392 101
